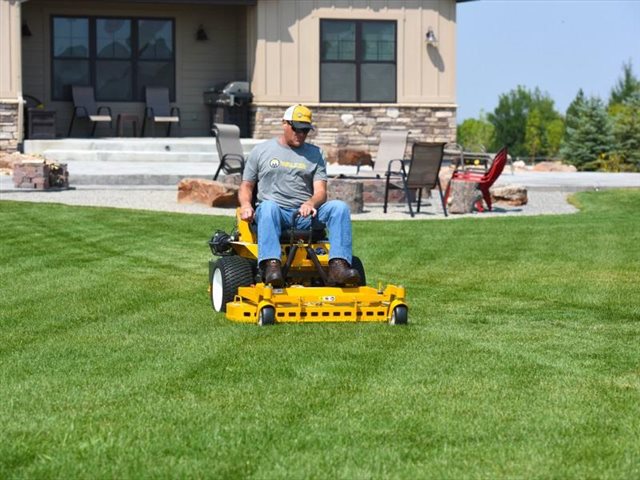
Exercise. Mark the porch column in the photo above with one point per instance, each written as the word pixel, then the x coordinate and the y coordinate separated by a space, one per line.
pixel 11 111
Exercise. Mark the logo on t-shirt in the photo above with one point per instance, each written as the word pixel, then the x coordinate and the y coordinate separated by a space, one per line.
pixel 274 163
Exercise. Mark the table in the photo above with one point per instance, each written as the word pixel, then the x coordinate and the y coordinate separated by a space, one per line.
pixel 123 119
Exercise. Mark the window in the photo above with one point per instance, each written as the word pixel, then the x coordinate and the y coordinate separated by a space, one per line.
pixel 357 61
pixel 117 56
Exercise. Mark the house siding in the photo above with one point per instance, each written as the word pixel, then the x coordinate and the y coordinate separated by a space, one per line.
pixel 275 44
pixel 10 79
pixel 286 70
pixel 286 66
pixel 199 64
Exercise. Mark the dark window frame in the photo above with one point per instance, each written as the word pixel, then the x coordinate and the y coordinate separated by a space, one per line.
pixel 359 61
pixel 93 58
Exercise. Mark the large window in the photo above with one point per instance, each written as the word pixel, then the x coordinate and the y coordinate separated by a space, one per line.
pixel 357 61
pixel 117 56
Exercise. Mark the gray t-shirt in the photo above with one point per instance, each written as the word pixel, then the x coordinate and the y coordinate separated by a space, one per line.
pixel 285 175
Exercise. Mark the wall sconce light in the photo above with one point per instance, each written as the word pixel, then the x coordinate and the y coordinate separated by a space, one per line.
pixel 201 35
pixel 431 37
pixel 26 31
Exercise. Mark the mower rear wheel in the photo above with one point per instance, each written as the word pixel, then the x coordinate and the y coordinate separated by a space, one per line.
pixel 267 316
pixel 399 316
pixel 228 274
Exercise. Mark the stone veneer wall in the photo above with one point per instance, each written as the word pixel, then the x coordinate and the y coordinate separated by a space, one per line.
pixel 358 127
pixel 8 127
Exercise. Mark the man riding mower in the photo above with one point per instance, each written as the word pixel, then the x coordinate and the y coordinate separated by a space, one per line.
pixel 307 294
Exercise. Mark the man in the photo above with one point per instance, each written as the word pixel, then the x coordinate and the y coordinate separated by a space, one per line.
pixel 291 176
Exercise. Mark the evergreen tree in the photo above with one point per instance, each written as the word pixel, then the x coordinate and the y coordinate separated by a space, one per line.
pixel 626 130
pixel 571 117
pixel 589 136
pixel 626 87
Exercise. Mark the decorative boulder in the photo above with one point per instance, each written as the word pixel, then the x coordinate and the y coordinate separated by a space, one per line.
pixel 511 194
pixel 553 167
pixel 347 156
pixel 208 192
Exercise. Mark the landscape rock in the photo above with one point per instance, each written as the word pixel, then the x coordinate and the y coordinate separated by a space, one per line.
pixel 208 192
pixel 519 165
pixel 8 160
pixel 348 156
pixel 511 194
pixel 553 167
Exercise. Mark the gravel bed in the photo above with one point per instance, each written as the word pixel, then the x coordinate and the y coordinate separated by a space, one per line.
pixel 164 198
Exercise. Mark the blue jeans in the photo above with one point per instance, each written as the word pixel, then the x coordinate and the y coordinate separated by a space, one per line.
pixel 273 219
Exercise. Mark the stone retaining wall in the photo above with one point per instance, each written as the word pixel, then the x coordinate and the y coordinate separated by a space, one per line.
pixel 359 127
pixel 8 127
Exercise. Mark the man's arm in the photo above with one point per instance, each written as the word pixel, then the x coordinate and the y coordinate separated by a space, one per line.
pixel 318 198
pixel 245 197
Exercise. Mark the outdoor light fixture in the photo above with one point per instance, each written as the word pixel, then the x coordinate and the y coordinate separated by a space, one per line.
pixel 431 37
pixel 201 35
pixel 26 31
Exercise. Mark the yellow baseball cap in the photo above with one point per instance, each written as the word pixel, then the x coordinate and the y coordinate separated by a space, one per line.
pixel 299 116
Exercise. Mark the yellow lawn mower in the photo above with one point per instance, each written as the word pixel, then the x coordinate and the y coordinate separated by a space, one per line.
pixel 236 284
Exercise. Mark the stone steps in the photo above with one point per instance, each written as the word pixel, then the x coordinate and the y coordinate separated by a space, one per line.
pixel 177 150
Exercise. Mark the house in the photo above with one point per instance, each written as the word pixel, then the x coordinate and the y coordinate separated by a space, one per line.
pixel 362 66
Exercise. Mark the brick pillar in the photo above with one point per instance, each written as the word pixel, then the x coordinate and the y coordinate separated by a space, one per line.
pixel 9 119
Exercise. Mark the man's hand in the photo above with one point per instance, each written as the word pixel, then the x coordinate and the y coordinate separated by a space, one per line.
pixel 246 213
pixel 306 210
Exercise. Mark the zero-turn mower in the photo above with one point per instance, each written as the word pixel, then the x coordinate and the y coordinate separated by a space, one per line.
pixel 236 284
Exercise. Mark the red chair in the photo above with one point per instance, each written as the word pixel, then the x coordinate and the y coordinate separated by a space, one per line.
pixel 484 180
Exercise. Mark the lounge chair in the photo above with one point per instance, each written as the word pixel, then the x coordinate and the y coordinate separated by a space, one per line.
pixel 84 106
pixel 229 149
pixel 392 147
pixel 159 109
pixel 420 172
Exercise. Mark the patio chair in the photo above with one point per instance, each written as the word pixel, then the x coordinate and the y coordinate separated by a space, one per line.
pixel 484 179
pixel 420 172
pixel 84 106
pixel 159 109
pixel 392 147
pixel 229 149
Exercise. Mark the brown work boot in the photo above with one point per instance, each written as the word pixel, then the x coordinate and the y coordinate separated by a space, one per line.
pixel 273 273
pixel 340 273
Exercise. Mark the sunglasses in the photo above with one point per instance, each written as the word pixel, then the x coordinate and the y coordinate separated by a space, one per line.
pixel 298 130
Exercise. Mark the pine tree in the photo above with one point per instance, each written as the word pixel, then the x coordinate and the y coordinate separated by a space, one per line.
pixel 626 87
pixel 589 136
pixel 571 120
pixel 626 130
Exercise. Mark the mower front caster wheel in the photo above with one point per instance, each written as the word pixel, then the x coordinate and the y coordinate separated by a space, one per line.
pixel 399 316
pixel 267 316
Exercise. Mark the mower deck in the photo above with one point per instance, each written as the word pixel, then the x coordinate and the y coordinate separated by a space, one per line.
pixel 297 304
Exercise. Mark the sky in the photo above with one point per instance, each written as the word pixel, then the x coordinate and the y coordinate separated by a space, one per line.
pixel 559 46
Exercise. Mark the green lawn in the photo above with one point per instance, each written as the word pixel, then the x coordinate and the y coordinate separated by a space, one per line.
pixel 521 360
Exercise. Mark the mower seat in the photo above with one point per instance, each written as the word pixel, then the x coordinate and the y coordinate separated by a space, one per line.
pixel 317 234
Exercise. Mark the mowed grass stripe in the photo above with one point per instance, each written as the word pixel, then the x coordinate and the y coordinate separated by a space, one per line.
pixel 521 358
